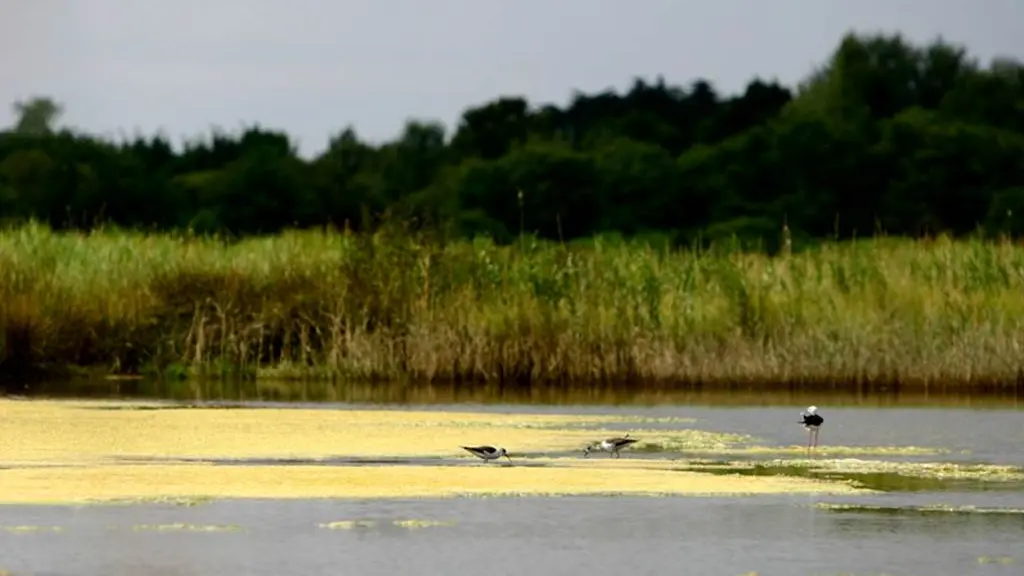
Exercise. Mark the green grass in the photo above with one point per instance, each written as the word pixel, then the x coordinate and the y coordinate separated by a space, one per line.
pixel 318 305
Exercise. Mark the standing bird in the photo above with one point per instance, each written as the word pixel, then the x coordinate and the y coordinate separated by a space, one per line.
pixel 487 452
pixel 812 421
pixel 612 445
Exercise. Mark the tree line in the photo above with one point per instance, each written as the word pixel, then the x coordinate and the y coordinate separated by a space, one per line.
pixel 884 136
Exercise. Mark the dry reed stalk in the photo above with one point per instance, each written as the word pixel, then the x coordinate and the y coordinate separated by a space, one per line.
pixel 384 307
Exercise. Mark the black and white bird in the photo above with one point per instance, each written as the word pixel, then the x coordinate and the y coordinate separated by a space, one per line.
pixel 812 422
pixel 612 445
pixel 487 452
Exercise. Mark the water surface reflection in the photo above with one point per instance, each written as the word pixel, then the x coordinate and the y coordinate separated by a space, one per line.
pixel 425 393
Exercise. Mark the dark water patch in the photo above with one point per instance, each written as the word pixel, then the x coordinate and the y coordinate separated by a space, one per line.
pixel 339 461
pixel 212 405
pixel 936 520
pixel 580 394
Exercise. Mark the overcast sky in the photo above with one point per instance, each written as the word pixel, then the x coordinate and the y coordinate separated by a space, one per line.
pixel 312 67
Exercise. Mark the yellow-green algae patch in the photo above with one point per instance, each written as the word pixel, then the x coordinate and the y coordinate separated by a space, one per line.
pixel 407 524
pixel 71 432
pixel 182 527
pixel 820 451
pixel 682 440
pixel 723 443
pixel 30 529
pixel 655 419
pixel 416 524
pixel 937 470
pixel 877 475
pixel 347 524
pixel 937 509
pixel 182 501
pixel 99 484
pixel 1004 560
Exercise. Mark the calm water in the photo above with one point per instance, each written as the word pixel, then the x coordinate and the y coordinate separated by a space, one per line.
pixel 771 535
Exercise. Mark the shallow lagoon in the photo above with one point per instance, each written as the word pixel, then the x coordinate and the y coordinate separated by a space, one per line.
pixel 716 490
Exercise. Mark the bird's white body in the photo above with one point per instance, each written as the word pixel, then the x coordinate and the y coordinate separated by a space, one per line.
pixel 811 421
pixel 487 452
pixel 612 445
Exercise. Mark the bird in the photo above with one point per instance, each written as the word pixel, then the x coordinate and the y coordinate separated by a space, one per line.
pixel 612 445
pixel 812 422
pixel 487 452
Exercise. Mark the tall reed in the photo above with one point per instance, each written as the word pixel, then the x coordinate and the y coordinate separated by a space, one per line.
pixel 387 306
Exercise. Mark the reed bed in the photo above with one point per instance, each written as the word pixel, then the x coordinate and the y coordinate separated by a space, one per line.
pixel 393 306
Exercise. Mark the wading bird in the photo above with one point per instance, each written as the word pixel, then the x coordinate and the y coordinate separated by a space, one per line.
pixel 612 445
pixel 812 421
pixel 487 452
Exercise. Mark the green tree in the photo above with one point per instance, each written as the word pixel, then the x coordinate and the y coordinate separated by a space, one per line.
pixel 36 116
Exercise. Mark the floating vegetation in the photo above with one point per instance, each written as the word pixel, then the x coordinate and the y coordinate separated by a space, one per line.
pixel 84 456
pixel 938 470
pixel 878 475
pixel 347 524
pixel 830 450
pixel 363 524
pixel 30 529
pixel 687 441
pixel 183 501
pixel 91 485
pixel 57 432
pixel 937 509
pixel 655 419
pixel 414 524
pixel 705 442
pixel 181 527
pixel 1004 560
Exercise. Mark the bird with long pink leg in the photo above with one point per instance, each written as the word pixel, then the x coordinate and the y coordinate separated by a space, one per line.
pixel 811 421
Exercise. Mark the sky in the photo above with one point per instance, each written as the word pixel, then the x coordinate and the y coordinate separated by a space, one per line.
pixel 311 68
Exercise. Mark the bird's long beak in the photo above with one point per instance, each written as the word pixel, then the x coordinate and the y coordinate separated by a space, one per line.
pixel 509 458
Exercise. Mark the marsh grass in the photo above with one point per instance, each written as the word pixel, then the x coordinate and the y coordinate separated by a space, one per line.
pixel 392 306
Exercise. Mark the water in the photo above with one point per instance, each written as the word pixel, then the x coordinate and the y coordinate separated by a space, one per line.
pixel 580 535
pixel 769 535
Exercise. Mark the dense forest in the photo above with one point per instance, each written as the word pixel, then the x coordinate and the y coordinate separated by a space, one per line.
pixel 884 136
